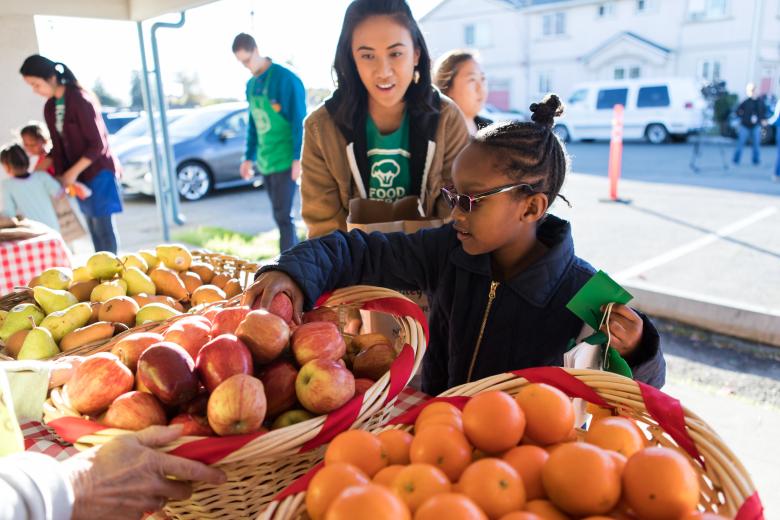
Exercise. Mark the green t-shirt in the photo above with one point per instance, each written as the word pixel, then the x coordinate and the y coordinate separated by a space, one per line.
pixel 388 158
pixel 59 114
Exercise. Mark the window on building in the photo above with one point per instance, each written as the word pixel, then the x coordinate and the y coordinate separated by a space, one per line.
pixel 554 24
pixel 605 10
pixel 707 9
pixel 477 35
pixel 709 70
pixel 608 98
pixel 545 82
pixel 642 5
pixel 634 72
pixel 653 97
pixel 619 73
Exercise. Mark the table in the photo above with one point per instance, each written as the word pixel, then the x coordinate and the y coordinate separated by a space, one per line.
pixel 22 260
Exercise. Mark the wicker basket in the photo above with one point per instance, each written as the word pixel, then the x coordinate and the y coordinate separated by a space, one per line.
pixel 267 464
pixel 725 484
pixel 243 270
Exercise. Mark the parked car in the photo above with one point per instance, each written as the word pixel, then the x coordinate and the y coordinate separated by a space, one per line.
pixel 208 147
pixel 115 121
pixel 656 109
pixel 139 129
pixel 496 114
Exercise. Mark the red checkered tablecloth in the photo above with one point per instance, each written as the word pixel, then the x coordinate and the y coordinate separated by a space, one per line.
pixel 22 260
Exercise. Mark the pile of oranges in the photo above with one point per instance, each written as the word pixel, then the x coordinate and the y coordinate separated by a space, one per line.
pixel 504 458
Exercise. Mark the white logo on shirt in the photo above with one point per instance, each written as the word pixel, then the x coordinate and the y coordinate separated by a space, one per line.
pixel 263 122
pixel 385 171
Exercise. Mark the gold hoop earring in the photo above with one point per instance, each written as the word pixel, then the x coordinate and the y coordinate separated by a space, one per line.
pixel 416 76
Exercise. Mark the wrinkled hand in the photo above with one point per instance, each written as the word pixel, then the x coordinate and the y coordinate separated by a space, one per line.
pixel 62 369
pixel 125 477
pixel 270 284
pixel 625 328
pixel 295 170
pixel 247 170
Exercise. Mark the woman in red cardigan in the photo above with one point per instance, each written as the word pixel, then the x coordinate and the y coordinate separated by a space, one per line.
pixel 79 145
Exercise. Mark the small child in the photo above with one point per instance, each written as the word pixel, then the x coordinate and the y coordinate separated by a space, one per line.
pixel 28 194
pixel 35 140
pixel 500 274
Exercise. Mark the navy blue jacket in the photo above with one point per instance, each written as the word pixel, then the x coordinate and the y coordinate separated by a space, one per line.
pixel 528 324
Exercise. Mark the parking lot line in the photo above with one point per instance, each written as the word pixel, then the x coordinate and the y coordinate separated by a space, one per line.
pixel 681 251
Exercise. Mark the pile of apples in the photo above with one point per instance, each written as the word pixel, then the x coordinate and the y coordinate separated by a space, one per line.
pixel 107 296
pixel 229 371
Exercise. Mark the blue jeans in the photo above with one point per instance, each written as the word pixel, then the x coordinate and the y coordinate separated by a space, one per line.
pixel 777 161
pixel 103 231
pixel 742 136
pixel 281 190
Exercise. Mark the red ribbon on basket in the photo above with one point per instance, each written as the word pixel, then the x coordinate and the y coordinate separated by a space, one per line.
pixel 751 509
pixel 563 381
pixel 300 485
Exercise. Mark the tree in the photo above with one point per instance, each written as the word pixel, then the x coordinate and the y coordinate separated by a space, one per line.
pixel 136 97
pixel 191 93
pixel 106 99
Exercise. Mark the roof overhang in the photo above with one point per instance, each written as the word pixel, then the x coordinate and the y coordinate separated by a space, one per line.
pixel 129 10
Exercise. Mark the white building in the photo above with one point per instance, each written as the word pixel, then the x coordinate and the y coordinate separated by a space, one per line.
pixel 530 47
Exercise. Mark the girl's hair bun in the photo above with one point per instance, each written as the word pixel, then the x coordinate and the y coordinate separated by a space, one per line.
pixel 545 112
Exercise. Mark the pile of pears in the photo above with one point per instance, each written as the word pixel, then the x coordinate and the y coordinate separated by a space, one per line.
pixel 107 296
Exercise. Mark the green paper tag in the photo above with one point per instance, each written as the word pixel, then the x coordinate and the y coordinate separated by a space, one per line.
pixel 598 291
pixel 617 365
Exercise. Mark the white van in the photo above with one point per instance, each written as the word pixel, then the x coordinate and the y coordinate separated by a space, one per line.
pixel 655 109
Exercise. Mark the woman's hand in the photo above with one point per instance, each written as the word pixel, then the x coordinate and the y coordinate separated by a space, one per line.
pixel 268 285
pixel 61 370
pixel 625 329
pixel 126 477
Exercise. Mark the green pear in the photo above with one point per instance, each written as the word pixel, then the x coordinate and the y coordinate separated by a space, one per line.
pixel 81 274
pixel 3 314
pixel 135 260
pixel 18 318
pixel 38 344
pixel 174 256
pixel 107 290
pixel 63 322
pixel 56 278
pixel 154 312
pixel 104 265
pixel 138 282
pixel 51 300
pixel 151 258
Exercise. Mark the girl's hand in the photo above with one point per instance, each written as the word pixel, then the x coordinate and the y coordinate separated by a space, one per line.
pixel 625 328
pixel 270 284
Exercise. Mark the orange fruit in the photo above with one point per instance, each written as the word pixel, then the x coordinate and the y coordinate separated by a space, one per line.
pixel 385 476
pixel 443 447
pixel 328 483
pixel 493 422
pixel 597 412
pixel 619 460
pixel 521 515
pixel 359 448
pixel 438 407
pixel 494 486
pixel 660 483
pixel 396 444
pixel 615 433
pixel 447 419
pixel 598 517
pixel 549 413
pixel 449 506
pixel 367 501
pixel 528 462
pixel 581 479
pixel 546 510
pixel 416 483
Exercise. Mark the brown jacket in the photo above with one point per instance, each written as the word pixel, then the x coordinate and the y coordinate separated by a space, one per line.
pixel 334 170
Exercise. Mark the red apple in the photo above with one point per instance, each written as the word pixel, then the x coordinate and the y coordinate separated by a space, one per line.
pixel 282 306
pixel 196 406
pixel 226 320
pixel 129 348
pixel 168 371
pixel 95 383
pixel 324 385
pixel 279 382
pixel 220 358
pixel 317 340
pixel 193 425
pixel 237 406
pixel 190 334
pixel 134 411
pixel 362 385
pixel 291 417
pixel 321 314
pixel 265 334
pixel 203 318
pixel 211 313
